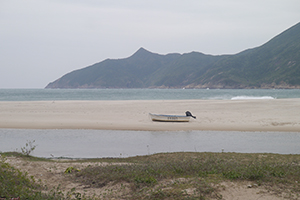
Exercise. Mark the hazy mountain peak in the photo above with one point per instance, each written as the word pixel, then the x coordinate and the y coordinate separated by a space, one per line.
pixel 141 53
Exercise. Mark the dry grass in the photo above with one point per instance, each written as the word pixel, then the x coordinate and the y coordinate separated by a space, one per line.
pixel 196 173
pixel 165 176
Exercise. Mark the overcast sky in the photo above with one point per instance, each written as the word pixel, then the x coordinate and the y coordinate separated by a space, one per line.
pixel 41 40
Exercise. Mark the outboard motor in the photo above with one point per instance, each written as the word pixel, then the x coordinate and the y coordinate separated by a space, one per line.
pixel 188 113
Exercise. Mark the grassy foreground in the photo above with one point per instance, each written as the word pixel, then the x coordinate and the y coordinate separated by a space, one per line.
pixel 163 176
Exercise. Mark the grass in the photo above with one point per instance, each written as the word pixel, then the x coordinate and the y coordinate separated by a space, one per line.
pixel 167 176
pixel 16 184
pixel 25 157
pixel 145 174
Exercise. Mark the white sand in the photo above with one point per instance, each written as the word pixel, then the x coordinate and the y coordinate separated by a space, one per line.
pixel 227 115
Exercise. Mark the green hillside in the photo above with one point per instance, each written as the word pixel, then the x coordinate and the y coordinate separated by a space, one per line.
pixel 276 64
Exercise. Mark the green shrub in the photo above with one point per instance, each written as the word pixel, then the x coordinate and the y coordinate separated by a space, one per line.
pixel 29 148
pixel 14 183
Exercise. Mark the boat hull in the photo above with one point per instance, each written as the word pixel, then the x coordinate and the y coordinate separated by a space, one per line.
pixel 169 118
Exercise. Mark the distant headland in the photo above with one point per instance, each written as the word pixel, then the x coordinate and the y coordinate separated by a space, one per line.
pixel 275 64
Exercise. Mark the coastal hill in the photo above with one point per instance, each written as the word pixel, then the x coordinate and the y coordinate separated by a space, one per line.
pixel 275 64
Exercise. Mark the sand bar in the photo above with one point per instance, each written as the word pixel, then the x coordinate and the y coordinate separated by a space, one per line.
pixel 224 115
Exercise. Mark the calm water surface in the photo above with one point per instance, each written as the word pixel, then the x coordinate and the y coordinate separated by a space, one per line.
pixel 110 143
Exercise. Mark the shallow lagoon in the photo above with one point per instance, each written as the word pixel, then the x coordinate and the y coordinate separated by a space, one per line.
pixel 111 143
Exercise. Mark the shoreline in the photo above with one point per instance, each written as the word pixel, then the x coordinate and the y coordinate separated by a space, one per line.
pixel 279 115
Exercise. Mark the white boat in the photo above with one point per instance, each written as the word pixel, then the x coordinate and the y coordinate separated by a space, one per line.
pixel 170 118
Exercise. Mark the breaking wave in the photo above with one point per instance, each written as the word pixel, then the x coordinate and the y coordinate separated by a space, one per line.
pixel 251 97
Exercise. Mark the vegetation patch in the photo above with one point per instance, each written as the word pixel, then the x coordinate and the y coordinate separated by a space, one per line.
pixel 18 185
pixel 161 176
pixel 145 174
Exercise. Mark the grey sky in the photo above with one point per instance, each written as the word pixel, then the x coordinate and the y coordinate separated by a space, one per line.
pixel 41 40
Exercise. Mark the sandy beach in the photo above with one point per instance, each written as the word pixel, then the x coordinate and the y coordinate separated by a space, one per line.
pixel 225 115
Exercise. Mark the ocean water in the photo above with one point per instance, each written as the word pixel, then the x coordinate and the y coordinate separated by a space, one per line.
pixel 143 94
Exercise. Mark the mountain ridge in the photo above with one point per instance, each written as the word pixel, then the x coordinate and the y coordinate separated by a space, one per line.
pixel 275 64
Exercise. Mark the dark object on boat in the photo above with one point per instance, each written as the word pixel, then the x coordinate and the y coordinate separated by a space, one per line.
pixel 188 113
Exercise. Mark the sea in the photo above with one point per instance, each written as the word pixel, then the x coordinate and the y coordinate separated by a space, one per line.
pixel 80 143
pixel 144 94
